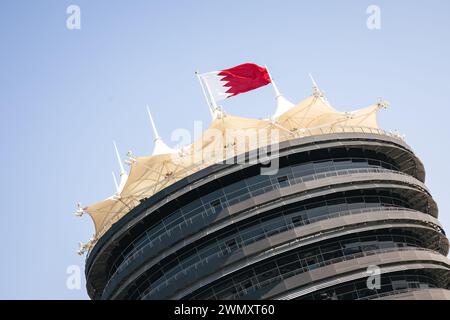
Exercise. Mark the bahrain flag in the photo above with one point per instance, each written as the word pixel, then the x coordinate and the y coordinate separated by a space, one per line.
pixel 231 82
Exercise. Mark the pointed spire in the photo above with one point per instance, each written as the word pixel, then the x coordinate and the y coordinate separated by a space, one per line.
pixel 115 181
pixel 122 170
pixel 283 104
pixel 123 174
pixel 160 147
pixel 316 90
pixel 155 131
pixel 274 85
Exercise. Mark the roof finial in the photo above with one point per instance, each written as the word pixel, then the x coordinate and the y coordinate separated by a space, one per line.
pixel 81 248
pixel 155 132
pixel 382 103
pixel 122 170
pixel 84 247
pixel 80 210
pixel 131 158
pixel 160 147
pixel 317 92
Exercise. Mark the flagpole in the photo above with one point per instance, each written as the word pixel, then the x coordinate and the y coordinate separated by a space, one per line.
pixel 213 102
pixel 283 104
pixel 204 94
pixel 275 88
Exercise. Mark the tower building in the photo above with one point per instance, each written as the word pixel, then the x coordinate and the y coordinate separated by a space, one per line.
pixel 343 213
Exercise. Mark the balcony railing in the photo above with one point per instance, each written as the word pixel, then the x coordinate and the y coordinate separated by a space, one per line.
pixel 139 245
pixel 257 284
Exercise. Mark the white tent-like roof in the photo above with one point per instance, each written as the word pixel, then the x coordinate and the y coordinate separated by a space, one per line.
pixel 314 113
pixel 151 174
pixel 227 136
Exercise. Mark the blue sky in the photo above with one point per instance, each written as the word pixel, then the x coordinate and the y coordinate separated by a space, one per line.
pixel 66 94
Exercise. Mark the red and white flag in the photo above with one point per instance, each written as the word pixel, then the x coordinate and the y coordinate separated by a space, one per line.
pixel 231 82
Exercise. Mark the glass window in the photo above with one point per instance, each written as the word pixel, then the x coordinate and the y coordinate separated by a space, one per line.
pixel 252 235
pixel 223 285
pixel 298 220
pixel 234 187
pixel 266 271
pixel 275 226
pixel 227 294
pixel 350 249
pixel 216 206
pixel 317 212
pixel 323 164
pixel 231 244
pixel 291 268
pixel 340 164
pixel 285 171
pixel 303 170
pixel 191 206
pixel 246 284
pixel 399 284
pixel 283 181
pixel 330 247
pixel 244 275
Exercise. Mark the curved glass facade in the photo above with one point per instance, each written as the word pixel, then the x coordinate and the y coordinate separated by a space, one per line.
pixel 276 222
pixel 214 202
pixel 303 260
pixel 390 284
pixel 241 235
pixel 231 240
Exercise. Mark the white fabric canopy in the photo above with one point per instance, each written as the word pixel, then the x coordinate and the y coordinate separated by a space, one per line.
pixel 226 137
